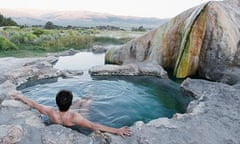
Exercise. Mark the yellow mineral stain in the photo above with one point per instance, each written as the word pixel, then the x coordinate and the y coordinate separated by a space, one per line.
pixel 189 61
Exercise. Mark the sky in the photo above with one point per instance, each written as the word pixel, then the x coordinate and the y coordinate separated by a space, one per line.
pixel 141 8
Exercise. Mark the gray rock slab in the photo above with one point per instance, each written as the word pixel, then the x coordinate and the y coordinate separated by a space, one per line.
pixel 10 134
pixel 56 134
pixel 143 69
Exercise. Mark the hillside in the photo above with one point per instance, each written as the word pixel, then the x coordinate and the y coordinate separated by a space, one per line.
pixel 78 18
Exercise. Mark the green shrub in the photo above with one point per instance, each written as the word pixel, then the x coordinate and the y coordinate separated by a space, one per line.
pixel 22 37
pixel 5 44
pixel 39 40
pixel 6 28
pixel 110 40
pixel 67 41
pixel 16 37
pixel 29 38
pixel 38 32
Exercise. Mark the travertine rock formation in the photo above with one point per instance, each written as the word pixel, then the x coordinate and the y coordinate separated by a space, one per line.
pixel 204 40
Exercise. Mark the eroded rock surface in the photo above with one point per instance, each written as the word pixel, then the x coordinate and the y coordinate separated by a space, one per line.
pixel 204 40
pixel 10 134
pixel 213 117
pixel 97 49
pixel 56 134
pixel 142 69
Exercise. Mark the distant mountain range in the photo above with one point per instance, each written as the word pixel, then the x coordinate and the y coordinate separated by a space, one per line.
pixel 78 18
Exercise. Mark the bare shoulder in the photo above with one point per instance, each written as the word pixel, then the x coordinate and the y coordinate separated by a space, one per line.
pixel 49 110
pixel 76 115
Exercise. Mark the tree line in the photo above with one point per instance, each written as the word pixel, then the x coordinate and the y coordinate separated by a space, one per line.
pixel 7 21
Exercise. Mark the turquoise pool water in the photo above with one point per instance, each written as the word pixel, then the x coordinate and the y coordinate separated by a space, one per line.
pixel 115 101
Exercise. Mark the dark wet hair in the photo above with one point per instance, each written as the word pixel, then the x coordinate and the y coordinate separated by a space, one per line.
pixel 64 100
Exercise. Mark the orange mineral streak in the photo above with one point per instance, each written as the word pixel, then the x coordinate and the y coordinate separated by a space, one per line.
pixel 190 58
pixel 196 41
pixel 172 40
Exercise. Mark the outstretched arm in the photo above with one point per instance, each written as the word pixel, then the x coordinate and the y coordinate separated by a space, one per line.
pixel 82 122
pixel 41 108
pixel 124 131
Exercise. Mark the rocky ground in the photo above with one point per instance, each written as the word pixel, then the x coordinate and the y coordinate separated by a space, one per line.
pixel 213 117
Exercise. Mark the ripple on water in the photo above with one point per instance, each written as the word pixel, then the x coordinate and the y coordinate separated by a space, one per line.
pixel 118 101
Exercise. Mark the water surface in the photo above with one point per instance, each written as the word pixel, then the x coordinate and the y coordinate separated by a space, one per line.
pixel 116 101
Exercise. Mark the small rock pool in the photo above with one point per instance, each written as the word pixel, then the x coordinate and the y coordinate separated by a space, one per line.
pixel 115 101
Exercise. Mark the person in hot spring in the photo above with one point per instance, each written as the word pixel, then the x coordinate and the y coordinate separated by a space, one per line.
pixel 66 117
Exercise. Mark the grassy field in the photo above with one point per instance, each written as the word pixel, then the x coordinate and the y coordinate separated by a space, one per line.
pixel 32 41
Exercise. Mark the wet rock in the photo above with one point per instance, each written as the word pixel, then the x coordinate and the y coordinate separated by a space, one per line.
pixel 14 103
pixel 101 138
pixel 139 124
pixel 56 134
pixel 2 97
pixel 40 62
pixel 161 122
pixel 114 70
pixel 144 69
pixel 19 71
pixel 2 79
pixel 71 73
pixel 98 49
pixel 51 59
pixel 66 53
pixel 31 118
pixel 151 69
pixel 10 134
pixel 10 63
pixel 34 121
pixel 6 88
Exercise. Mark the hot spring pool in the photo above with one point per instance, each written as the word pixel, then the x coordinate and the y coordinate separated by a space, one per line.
pixel 116 101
